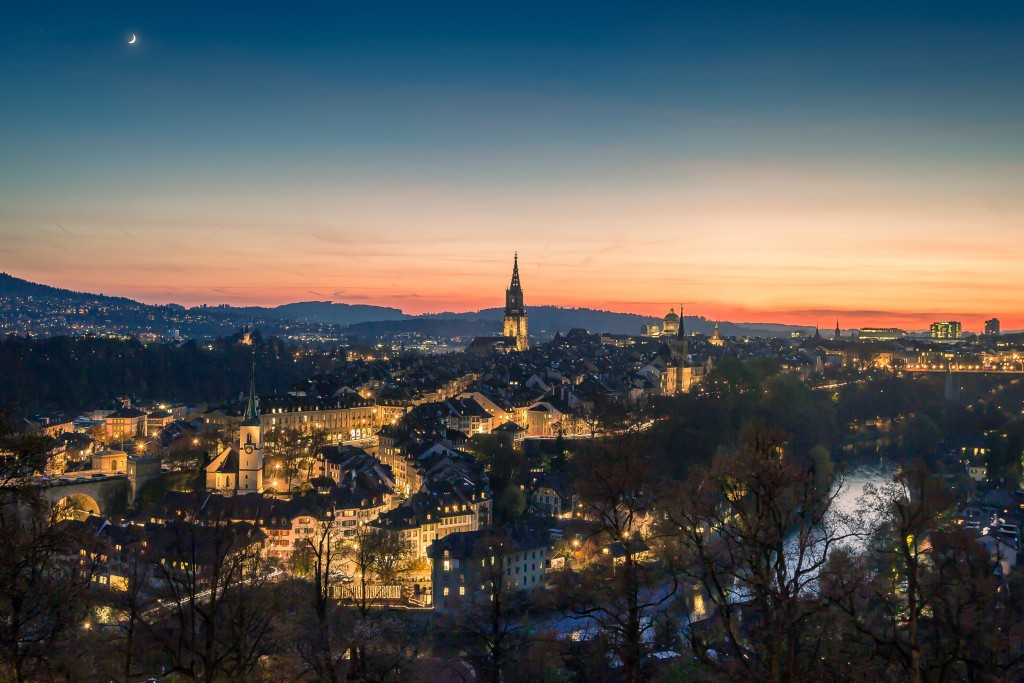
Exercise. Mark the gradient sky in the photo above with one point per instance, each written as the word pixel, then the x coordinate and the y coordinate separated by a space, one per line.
pixel 789 162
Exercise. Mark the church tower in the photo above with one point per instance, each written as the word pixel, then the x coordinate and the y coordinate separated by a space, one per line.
pixel 250 443
pixel 680 345
pixel 515 310
pixel 839 332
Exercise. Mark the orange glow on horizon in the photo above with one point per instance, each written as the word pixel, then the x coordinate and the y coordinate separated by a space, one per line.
pixel 738 242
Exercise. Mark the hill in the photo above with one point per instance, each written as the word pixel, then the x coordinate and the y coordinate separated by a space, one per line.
pixel 325 312
pixel 11 286
pixel 43 310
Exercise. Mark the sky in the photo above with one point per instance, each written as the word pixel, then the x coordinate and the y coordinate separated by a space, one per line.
pixel 779 162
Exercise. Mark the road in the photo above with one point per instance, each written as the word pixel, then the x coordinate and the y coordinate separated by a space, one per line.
pixel 162 606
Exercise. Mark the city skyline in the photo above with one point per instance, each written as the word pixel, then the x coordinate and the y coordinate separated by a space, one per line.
pixel 788 166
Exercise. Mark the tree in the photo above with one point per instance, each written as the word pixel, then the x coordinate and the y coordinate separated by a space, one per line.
pixel 753 532
pixel 885 594
pixel 215 615
pixel 294 450
pixel 322 645
pixel 132 602
pixel 486 625
pixel 920 437
pixel 622 596
pixel 41 592
pixel 378 558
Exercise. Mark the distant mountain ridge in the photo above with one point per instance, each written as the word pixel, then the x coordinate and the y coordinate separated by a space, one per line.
pixel 15 286
pixel 366 319
pixel 326 312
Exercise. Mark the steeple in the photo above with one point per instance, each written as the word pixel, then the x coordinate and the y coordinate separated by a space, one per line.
pixel 251 416
pixel 515 310
pixel 838 332
pixel 515 273
pixel 680 346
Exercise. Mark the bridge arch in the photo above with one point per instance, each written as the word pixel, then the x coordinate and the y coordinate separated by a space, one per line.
pixel 77 505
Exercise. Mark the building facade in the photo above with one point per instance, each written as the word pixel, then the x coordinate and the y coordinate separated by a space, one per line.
pixel 946 330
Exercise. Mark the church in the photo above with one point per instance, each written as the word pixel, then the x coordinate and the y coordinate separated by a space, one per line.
pixel 514 335
pixel 515 310
pixel 238 468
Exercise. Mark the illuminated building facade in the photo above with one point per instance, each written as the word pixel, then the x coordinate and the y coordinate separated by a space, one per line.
pixel 946 330
pixel 880 334
pixel 239 467
pixel 670 324
pixel 515 311
pixel 992 326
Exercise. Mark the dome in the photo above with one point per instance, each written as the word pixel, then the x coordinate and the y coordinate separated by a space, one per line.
pixel 671 315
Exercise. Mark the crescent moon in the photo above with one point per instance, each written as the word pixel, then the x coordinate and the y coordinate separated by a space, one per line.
pixel 132 40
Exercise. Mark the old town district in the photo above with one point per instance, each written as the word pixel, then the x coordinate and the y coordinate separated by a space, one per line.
pixel 379 446
pixel 390 446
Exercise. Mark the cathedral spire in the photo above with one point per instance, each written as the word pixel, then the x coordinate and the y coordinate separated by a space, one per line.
pixel 515 273
pixel 682 324
pixel 251 416
pixel 515 310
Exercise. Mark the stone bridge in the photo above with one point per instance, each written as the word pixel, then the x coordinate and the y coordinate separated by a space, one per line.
pixel 104 494
pixel 101 492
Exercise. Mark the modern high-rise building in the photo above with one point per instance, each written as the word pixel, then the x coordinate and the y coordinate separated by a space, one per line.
pixel 992 326
pixel 946 330
pixel 515 311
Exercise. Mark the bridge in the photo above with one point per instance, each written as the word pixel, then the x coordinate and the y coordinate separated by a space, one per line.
pixel 953 370
pixel 101 492
pixel 90 491
pixel 967 368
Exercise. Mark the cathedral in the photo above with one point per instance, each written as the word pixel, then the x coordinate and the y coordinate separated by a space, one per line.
pixel 515 311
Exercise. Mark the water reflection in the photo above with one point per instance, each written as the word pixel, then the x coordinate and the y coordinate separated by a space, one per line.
pixel 857 478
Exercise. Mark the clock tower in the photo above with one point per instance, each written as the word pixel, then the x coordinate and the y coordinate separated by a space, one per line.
pixel 250 443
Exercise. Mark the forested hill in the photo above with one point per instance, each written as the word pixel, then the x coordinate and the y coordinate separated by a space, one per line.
pixel 11 286
pixel 64 373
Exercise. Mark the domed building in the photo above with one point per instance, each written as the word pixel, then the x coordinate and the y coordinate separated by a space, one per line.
pixel 670 325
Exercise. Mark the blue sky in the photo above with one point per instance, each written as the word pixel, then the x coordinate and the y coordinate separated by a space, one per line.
pixel 331 148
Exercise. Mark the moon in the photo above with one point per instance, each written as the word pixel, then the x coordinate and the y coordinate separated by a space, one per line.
pixel 131 41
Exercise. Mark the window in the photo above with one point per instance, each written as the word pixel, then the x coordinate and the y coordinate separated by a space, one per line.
pixel 446 590
pixel 447 565
pixel 462 590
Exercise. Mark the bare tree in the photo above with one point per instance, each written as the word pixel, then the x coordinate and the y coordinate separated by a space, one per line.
pixel 211 622
pixel 378 559
pixel 754 531
pixel 623 595
pixel 132 600
pixel 885 594
pixel 294 450
pixel 486 625
pixel 41 589
pixel 322 646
